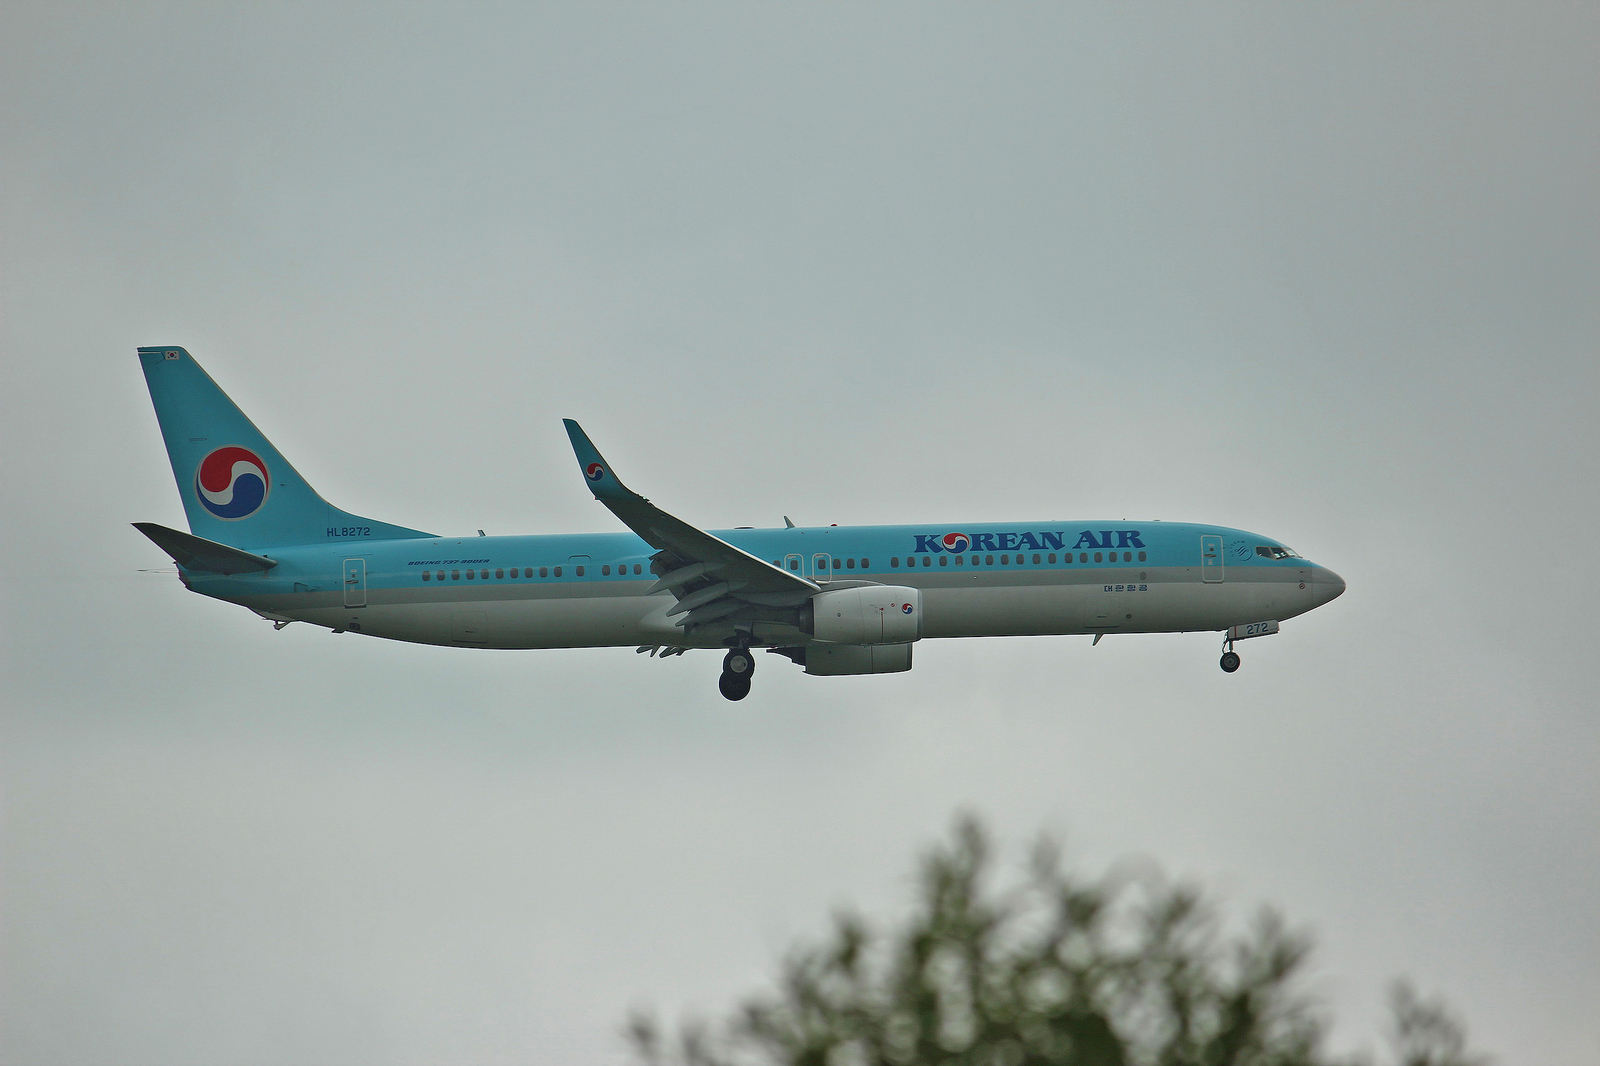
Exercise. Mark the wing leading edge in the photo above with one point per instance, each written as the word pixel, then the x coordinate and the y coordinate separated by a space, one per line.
pixel 714 582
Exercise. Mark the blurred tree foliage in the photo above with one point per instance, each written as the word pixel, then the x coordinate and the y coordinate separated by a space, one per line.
pixel 1123 971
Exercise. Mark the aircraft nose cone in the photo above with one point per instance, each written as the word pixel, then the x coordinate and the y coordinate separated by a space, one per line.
pixel 1327 585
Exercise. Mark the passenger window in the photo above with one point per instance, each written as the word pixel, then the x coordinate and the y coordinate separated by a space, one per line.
pixel 794 564
pixel 1141 557
pixel 849 564
pixel 578 571
pixel 427 575
pixel 1097 557
pixel 606 570
pixel 637 569
pixel 1005 560
pixel 988 560
pixel 1127 557
pixel 440 575
pixel 894 561
pixel 944 560
pixel 1052 558
pixel 558 571
pixel 471 574
pixel 865 563
pixel 544 571
pixel 960 559
pixel 500 573
pixel 927 560
pixel 1083 557
pixel 1036 560
pixel 484 574
pixel 455 575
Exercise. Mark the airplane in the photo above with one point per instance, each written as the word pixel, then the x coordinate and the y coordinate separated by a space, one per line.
pixel 835 600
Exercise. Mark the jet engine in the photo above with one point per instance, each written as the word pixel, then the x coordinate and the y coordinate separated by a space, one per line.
pixel 867 614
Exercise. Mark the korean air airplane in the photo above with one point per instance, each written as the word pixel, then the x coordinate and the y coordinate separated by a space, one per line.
pixel 834 600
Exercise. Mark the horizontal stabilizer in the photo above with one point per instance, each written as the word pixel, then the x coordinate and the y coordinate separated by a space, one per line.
pixel 197 553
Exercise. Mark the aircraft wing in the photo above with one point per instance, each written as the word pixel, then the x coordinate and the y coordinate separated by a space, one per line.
pixel 713 580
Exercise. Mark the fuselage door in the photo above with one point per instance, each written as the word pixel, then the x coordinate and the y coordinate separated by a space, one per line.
pixel 821 573
pixel 1211 557
pixel 792 563
pixel 355 582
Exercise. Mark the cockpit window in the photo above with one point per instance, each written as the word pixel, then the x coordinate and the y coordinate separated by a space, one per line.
pixel 1276 551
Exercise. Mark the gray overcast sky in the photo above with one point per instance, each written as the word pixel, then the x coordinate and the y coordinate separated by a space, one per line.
pixel 1325 272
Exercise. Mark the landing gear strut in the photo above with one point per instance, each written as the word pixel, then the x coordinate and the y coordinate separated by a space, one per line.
pixel 1230 658
pixel 737 667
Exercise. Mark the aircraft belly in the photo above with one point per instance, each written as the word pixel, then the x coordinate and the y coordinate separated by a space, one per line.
pixel 545 622
pixel 587 622
pixel 1018 604
pixel 999 610
pixel 1165 602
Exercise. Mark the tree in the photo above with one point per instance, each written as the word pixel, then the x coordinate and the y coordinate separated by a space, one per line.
pixel 1122 971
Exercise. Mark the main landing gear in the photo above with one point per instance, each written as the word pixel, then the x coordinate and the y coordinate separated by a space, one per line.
pixel 737 667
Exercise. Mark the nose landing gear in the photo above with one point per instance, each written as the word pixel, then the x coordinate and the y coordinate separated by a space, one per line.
pixel 1230 659
pixel 737 667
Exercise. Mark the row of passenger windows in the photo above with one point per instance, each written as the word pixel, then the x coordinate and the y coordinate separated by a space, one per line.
pixel 822 564
pixel 1006 560
pixel 527 571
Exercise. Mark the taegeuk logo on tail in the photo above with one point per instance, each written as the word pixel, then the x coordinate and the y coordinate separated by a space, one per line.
pixel 232 483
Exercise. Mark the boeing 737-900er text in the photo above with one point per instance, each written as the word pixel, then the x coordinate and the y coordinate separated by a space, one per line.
pixel 834 599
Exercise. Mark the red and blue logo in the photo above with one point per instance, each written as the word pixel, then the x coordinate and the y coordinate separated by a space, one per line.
pixel 955 543
pixel 594 472
pixel 232 483
pixel 905 608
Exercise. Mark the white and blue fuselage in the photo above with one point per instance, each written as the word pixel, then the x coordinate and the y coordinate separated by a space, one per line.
pixel 589 590
pixel 837 600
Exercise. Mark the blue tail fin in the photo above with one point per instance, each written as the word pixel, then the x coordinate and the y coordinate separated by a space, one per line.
pixel 236 488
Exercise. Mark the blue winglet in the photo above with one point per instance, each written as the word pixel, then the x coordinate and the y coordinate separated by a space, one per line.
pixel 596 471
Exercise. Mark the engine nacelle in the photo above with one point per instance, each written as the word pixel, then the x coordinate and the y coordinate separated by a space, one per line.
pixel 868 614
pixel 838 659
